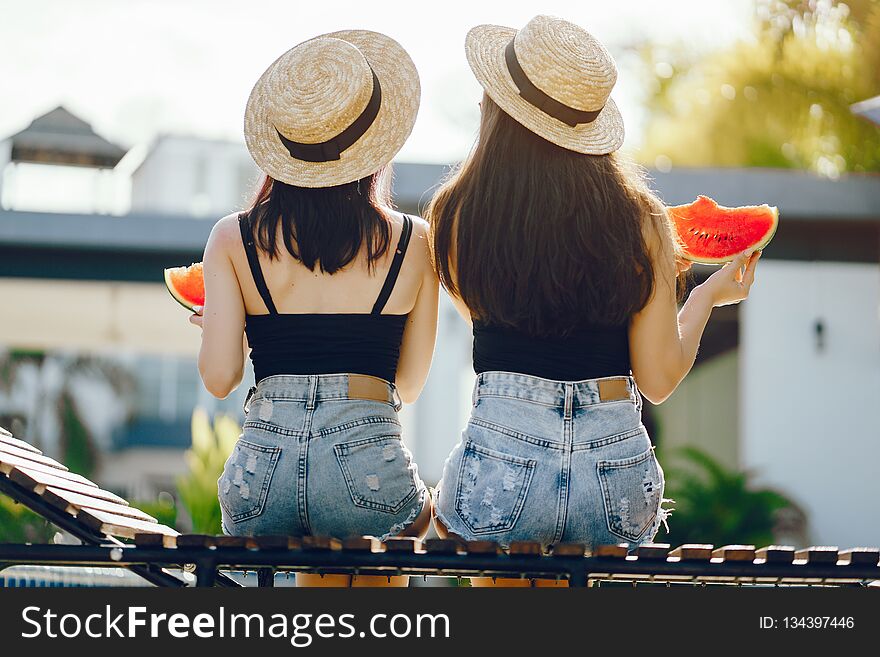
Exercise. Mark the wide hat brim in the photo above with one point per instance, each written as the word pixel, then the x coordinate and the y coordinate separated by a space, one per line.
pixel 484 48
pixel 401 94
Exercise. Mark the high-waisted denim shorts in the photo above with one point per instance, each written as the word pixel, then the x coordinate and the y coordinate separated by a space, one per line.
pixel 549 461
pixel 311 461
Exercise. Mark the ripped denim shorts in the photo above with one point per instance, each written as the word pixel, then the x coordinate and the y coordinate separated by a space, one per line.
pixel 550 461
pixel 311 461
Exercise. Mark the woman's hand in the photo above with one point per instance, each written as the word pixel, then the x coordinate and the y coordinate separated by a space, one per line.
pixel 731 283
pixel 197 318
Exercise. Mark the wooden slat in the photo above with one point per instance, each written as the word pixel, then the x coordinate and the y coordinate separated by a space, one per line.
pixel 526 549
pixel 776 554
pixel 116 525
pixel 617 551
pixel 321 543
pixel 74 502
pixel 569 550
pixel 11 450
pixel 653 551
pixel 818 554
pixel 482 547
pixel 443 546
pixel 7 463
pixel 38 481
pixel 234 541
pixel 154 540
pixel 15 442
pixel 405 544
pixel 693 552
pixel 362 544
pixel 278 542
pixel 5 432
pixel 861 556
pixel 735 553
pixel 195 541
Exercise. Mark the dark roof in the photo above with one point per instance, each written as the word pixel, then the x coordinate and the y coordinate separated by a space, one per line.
pixel 59 137
pixel 796 193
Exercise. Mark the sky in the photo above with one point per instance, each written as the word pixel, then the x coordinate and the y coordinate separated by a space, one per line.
pixel 137 68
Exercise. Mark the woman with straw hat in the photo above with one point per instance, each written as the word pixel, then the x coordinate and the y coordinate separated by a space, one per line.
pixel 334 294
pixel 565 264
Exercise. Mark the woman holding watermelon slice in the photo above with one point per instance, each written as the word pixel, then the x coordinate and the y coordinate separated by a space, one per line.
pixel 565 264
pixel 334 294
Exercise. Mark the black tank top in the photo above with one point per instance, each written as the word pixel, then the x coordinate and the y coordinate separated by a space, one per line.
pixel 343 343
pixel 589 353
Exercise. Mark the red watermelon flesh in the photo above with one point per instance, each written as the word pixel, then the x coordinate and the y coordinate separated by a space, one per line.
pixel 713 234
pixel 186 284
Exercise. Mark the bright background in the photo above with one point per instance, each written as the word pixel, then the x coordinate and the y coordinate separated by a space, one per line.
pixel 774 435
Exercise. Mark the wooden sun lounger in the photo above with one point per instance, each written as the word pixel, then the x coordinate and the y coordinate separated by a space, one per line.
pixel 99 518
pixel 77 505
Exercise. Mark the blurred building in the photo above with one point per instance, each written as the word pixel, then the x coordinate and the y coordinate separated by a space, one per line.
pixel 193 177
pixel 783 386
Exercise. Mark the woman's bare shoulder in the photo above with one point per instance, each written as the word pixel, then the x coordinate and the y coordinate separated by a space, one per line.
pixel 226 234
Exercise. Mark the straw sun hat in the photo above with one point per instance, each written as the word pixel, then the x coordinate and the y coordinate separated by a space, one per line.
pixel 554 78
pixel 332 109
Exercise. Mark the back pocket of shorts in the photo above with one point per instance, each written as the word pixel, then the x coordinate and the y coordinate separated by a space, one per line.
pixel 632 489
pixel 244 484
pixel 491 489
pixel 378 472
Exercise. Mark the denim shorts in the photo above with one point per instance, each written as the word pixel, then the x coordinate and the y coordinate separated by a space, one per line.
pixel 311 461
pixel 549 461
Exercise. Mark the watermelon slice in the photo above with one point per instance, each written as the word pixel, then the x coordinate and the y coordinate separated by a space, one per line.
pixel 187 285
pixel 712 234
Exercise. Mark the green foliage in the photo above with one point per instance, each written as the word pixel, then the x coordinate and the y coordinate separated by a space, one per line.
pixel 781 99
pixel 211 446
pixel 162 509
pixel 716 505
pixel 18 524
pixel 78 452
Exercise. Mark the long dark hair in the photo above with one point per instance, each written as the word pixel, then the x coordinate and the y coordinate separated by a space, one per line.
pixel 542 239
pixel 324 227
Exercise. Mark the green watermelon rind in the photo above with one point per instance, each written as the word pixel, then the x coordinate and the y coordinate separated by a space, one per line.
pixel 174 293
pixel 756 247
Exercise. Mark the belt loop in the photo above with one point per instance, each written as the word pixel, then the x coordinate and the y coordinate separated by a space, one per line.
pixel 395 398
pixel 476 390
pixel 569 399
pixel 313 392
pixel 635 391
pixel 247 400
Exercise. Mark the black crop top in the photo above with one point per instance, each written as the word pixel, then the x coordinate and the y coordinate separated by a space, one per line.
pixel 343 343
pixel 589 353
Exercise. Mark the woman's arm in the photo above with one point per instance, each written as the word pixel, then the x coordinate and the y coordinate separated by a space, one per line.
pixel 663 341
pixel 420 334
pixel 222 355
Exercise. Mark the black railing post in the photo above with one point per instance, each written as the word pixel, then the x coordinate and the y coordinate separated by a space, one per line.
pixel 206 572
pixel 265 577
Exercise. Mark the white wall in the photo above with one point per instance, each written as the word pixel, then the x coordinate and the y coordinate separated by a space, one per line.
pixel 810 423
pixel 94 316
pixel 703 411
pixel 189 176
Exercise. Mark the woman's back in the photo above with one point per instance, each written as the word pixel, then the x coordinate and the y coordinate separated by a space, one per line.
pixel 302 321
pixel 353 290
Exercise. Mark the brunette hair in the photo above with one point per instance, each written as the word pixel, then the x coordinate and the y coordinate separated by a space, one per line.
pixel 539 238
pixel 323 227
